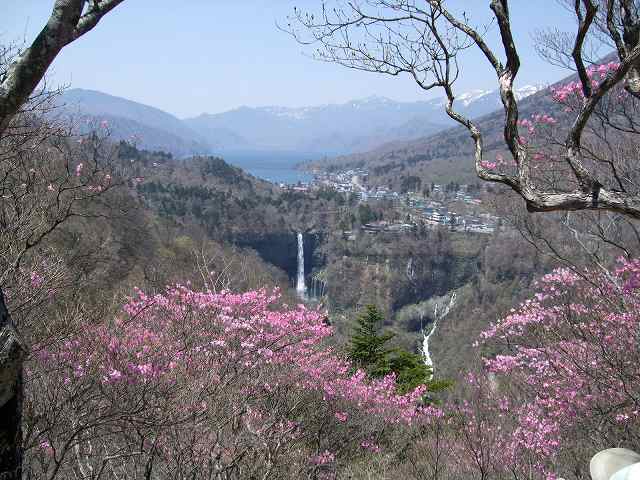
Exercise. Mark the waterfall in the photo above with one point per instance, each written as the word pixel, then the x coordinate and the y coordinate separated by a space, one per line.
pixel 425 348
pixel 410 271
pixel 317 288
pixel 428 361
pixel 301 288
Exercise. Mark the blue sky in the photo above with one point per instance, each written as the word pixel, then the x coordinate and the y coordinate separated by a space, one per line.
pixel 194 56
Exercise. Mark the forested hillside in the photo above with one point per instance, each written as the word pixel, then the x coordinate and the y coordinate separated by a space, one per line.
pixel 149 127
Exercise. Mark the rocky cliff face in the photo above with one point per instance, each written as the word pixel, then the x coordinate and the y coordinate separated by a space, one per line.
pixel 281 249
pixel 395 271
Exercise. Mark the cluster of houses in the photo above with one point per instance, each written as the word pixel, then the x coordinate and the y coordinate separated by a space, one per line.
pixel 348 181
pixel 462 195
pixel 430 212
pixel 484 223
pixel 300 187
pixel 433 213
pixel 378 194
pixel 387 227
pixel 432 219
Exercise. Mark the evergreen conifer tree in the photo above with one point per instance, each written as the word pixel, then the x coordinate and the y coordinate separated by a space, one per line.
pixel 368 351
pixel 367 346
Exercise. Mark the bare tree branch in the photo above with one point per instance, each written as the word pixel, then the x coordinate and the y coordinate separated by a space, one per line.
pixel 66 24
pixel 380 36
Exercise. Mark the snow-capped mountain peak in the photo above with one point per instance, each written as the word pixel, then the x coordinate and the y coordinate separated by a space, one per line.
pixel 374 99
pixel 354 125
pixel 470 97
pixel 527 90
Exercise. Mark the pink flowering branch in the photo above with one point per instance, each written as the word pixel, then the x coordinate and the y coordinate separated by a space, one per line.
pixel 253 378
pixel 572 351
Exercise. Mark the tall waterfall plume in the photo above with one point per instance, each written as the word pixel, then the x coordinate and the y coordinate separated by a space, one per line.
pixel 301 288
pixel 428 360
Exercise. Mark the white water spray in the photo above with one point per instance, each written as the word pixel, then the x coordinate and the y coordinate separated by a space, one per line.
pixel 410 271
pixel 428 361
pixel 301 288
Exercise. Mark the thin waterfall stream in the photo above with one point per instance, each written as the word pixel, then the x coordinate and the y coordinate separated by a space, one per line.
pixel 301 287
pixel 428 361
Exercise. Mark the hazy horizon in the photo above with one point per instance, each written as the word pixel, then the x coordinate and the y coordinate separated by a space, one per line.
pixel 239 107
pixel 186 61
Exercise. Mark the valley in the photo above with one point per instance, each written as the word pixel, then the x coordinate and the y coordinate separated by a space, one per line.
pixel 405 228
pixel 295 271
pixel 404 236
pixel 360 246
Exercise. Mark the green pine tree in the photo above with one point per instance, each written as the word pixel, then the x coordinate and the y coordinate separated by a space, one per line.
pixel 409 368
pixel 368 350
pixel 367 346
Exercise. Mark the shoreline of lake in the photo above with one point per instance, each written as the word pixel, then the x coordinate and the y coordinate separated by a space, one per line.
pixel 271 165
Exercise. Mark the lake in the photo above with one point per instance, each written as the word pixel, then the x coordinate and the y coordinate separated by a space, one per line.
pixel 274 166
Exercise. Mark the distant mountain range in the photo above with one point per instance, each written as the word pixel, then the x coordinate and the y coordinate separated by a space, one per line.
pixel 154 128
pixel 356 126
pixel 447 155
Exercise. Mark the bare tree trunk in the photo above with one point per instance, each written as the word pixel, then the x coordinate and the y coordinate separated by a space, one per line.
pixel 69 20
pixel 66 24
pixel 11 389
